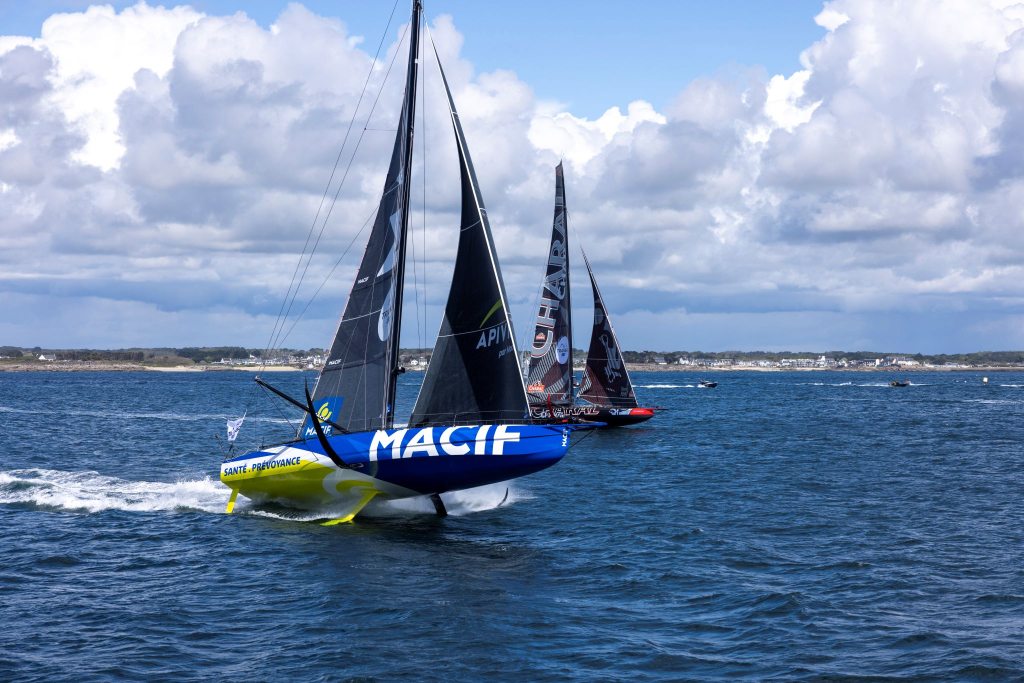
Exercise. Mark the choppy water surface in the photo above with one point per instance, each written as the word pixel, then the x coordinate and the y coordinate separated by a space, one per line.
pixel 807 526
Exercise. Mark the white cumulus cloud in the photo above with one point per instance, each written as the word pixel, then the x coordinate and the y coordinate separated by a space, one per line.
pixel 168 164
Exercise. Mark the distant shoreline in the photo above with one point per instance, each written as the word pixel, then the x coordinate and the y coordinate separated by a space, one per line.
pixel 651 367
pixel 118 366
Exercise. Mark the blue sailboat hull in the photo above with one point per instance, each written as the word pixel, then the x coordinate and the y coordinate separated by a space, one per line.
pixel 395 463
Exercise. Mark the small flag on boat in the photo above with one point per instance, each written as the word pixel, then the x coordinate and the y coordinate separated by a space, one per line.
pixel 235 426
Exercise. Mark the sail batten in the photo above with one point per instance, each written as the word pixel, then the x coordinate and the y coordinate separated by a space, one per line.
pixel 356 387
pixel 474 370
pixel 605 379
pixel 549 379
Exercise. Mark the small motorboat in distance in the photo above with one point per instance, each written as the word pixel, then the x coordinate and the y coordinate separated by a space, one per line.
pixel 897 383
pixel 704 384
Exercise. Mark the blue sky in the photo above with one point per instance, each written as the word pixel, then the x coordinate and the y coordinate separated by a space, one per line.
pixel 588 55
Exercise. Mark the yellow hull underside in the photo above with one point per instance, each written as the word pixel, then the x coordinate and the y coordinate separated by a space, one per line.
pixel 300 479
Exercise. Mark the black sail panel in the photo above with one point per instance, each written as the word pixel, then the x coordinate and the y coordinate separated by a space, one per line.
pixel 474 373
pixel 355 389
pixel 550 373
pixel 605 380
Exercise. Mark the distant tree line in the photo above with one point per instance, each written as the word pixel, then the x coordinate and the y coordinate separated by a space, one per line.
pixel 90 354
pixel 212 353
pixel 977 358
pixel 215 353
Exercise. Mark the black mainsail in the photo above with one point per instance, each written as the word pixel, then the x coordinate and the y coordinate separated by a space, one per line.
pixel 356 388
pixel 474 373
pixel 605 380
pixel 549 379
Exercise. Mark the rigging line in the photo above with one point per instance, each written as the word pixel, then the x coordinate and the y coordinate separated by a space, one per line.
pixel 481 211
pixel 334 201
pixel 416 293
pixel 348 168
pixel 331 179
pixel 582 439
pixel 423 136
pixel 531 331
pixel 336 264
pixel 279 411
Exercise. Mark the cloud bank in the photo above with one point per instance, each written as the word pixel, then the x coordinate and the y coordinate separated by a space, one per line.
pixel 160 169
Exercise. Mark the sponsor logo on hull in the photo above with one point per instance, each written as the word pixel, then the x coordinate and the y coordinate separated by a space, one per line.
pixel 434 441
pixel 561 412
pixel 301 473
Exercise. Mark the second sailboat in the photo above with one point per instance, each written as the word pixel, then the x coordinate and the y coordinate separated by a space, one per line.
pixel 605 394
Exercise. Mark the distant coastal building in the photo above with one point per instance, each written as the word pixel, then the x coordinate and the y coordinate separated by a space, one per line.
pixel 47 356
pixel 899 361
pixel 660 360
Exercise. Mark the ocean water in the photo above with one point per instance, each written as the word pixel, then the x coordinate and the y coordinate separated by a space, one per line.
pixel 784 526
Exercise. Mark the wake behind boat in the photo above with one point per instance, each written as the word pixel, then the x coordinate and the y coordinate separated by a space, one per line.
pixel 470 425
pixel 606 394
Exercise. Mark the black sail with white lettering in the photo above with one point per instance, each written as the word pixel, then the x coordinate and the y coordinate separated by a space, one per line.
pixel 550 374
pixel 605 380
pixel 474 373
pixel 356 387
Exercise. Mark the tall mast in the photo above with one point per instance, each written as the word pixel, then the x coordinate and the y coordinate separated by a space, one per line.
pixel 356 387
pixel 409 118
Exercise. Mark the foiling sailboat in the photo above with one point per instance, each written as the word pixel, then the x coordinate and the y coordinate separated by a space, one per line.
pixel 471 423
pixel 605 394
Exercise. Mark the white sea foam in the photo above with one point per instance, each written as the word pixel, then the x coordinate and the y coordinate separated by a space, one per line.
pixel 663 386
pixel 94 492
pixel 458 503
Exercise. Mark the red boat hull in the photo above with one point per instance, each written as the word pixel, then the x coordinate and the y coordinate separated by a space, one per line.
pixel 611 417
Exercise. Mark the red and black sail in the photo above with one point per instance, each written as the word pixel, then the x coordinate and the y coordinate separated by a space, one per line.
pixel 605 380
